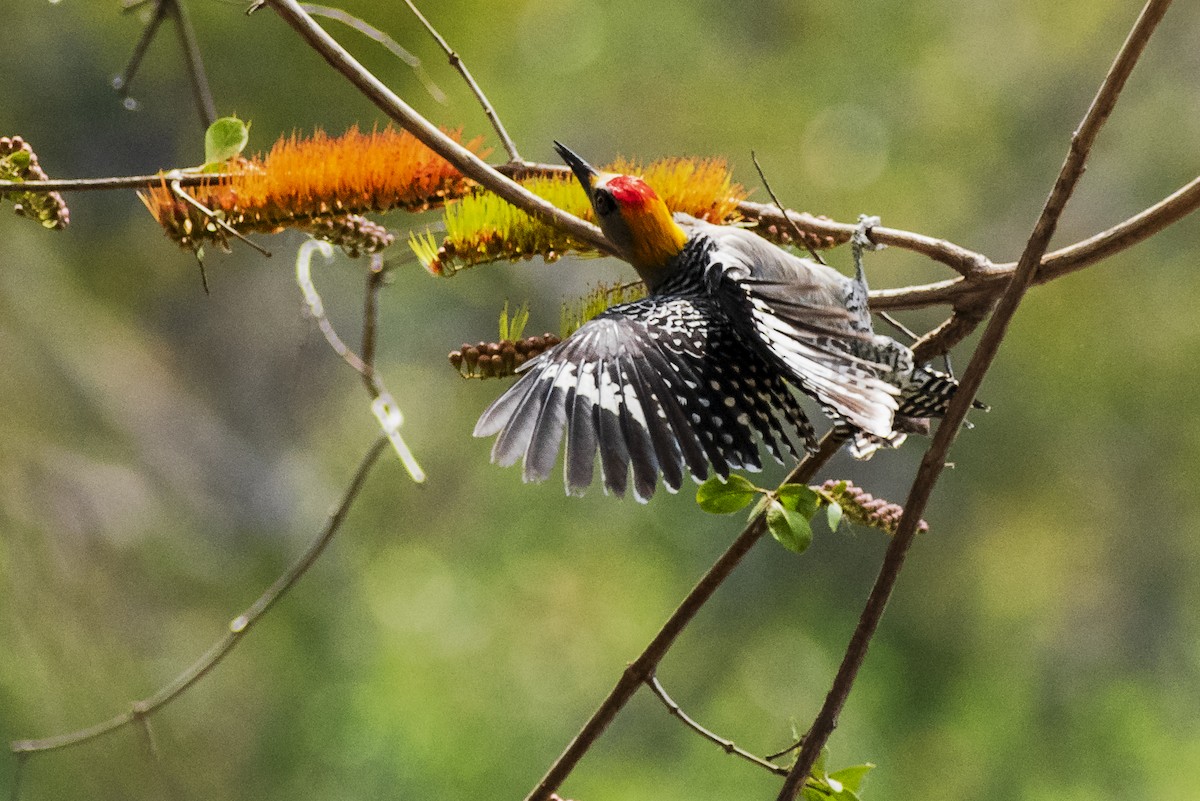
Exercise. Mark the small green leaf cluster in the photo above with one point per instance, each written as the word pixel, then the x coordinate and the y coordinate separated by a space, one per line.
pixel 844 784
pixel 789 509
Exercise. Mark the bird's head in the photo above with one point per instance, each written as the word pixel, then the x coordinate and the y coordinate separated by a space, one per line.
pixel 632 216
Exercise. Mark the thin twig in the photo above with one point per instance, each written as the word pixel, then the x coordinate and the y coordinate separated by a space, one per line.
pixel 463 160
pixel 177 190
pixel 375 274
pixel 121 82
pixel 456 61
pixel 195 62
pixel 116 182
pixel 800 237
pixel 899 326
pixel 933 463
pixel 645 664
pixel 142 718
pixel 727 745
pixel 390 44
pixel 238 627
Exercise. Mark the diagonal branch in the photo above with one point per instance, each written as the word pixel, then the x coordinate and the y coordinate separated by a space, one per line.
pixel 238 627
pixel 457 62
pixel 464 160
pixel 934 460
pixel 201 90
pixel 640 670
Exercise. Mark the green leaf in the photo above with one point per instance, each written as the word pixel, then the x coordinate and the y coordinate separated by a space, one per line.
pixel 852 777
pixel 224 139
pixel 799 498
pixel 833 515
pixel 725 497
pixel 790 528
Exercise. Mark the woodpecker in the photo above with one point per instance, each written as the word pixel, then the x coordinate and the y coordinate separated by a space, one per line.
pixel 698 372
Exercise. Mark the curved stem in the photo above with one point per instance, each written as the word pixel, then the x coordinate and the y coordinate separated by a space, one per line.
pixel 238 627
pixel 727 745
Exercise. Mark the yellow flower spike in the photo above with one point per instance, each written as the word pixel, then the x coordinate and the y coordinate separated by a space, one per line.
pixel 482 228
pixel 601 298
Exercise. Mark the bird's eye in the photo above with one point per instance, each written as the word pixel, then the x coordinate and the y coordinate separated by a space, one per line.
pixel 604 203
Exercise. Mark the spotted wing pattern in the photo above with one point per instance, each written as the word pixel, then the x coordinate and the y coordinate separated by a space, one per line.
pixel 660 386
pixel 807 319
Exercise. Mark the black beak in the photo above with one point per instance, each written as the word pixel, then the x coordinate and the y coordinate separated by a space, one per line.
pixel 583 171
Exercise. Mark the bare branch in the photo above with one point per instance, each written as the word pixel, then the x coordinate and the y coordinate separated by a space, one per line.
pixel 464 160
pixel 644 666
pixel 195 63
pixel 800 237
pixel 934 460
pixel 390 44
pixel 121 82
pixel 456 61
pixel 383 405
pixel 1072 258
pixel 191 54
pixel 1124 235
pixel 117 182
pixel 958 327
pixel 963 261
pixel 371 318
pixel 727 745
pixel 238 627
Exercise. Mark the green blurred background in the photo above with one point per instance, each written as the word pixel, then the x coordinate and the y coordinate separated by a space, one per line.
pixel 164 454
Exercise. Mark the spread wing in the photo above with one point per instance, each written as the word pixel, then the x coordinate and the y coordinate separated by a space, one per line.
pixel 658 386
pixel 808 318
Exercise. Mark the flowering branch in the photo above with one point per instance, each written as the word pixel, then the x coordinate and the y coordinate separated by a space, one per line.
pixel 464 160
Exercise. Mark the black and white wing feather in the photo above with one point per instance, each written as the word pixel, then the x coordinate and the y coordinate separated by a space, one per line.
pixel 660 386
pixel 807 318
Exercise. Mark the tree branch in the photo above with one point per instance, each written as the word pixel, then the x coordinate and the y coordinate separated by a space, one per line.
pixel 644 666
pixel 457 62
pixel 1072 258
pixel 464 160
pixel 934 460
pixel 238 627
pixel 195 63
pixel 116 182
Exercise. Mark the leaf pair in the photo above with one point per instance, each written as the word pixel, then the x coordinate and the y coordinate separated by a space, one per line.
pixel 789 510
